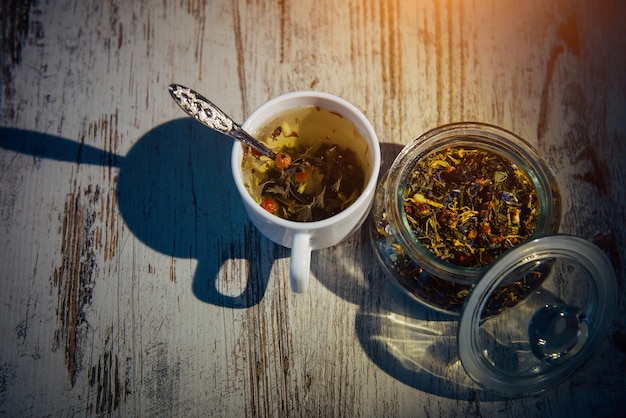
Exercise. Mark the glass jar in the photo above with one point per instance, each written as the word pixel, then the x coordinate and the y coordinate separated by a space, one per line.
pixel 426 225
pixel 478 206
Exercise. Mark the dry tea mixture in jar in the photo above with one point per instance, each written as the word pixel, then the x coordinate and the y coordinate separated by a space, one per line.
pixel 455 200
pixel 319 171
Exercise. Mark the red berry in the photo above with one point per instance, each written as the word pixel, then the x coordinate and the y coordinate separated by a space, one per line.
pixel 270 205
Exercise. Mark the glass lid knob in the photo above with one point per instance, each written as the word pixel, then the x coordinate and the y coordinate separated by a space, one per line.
pixel 557 332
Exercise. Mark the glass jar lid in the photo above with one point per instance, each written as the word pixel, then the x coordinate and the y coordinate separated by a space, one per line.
pixel 543 339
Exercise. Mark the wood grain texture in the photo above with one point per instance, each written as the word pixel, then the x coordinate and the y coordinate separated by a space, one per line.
pixel 133 284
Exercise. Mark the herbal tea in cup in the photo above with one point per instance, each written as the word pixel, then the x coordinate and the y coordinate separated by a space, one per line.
pixel 320 188
pixel 319 171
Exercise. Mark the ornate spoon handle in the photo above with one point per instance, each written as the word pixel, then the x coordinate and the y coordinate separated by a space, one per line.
pixel 205 112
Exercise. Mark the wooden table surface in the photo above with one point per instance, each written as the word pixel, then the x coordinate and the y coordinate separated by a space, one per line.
pixel 133 284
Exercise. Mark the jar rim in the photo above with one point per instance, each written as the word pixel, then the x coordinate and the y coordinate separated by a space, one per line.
pixel 478 135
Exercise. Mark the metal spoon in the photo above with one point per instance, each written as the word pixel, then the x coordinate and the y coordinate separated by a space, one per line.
pixel 205 112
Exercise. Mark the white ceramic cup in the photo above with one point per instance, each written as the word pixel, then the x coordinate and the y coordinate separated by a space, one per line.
pixel 303 237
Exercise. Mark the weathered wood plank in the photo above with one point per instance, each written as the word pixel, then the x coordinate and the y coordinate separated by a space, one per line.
pixel 132 282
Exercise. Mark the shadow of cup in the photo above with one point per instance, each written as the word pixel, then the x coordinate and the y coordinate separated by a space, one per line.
pixel 176 195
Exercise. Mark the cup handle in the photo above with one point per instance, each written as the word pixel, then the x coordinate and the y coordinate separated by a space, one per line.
pixel 300 262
